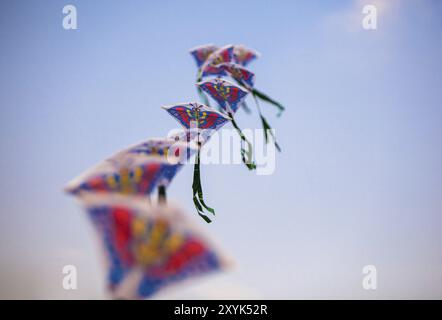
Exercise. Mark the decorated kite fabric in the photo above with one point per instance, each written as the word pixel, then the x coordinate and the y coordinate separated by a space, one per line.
pixel 175 152
pixel 125 178
pixel 243 55
pixel 138 169
pixel 239 73
pixel 229 96
pixel 211 66
pixel 201 53
pixel 149 248
pixel 196 115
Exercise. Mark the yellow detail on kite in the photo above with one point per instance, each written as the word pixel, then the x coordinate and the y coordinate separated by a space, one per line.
pixel 158 232
pixel 125 182
pixel 174 242
pixel 146 254
pixel 138 173
pixel 111 181
pixel 138 227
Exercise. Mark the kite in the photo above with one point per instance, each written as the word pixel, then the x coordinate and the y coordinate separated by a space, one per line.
pixel 229 96
pixel 243 76
pixel 201 53
pixel 243 55
pixel 175 152
pixel 211 65
pixel 148 248
pixel 197 116
pixel 194 115
pixel 123 175
pixel 137 170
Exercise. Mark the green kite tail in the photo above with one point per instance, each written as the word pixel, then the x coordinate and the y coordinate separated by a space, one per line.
pixel 266 98
pixel 198 199
pixel 246 156
pixel 266 126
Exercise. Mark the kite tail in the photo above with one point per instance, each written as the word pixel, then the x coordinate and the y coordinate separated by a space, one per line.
pixel 266 126
pixel 162 199
pixel 266 98
pixel 267 130
pixel 246 156
pixel 198 191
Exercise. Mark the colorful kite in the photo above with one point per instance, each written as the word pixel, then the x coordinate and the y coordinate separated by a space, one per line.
pixel 243 55
pixel 194 115
pixel 210 66
pixel 229 96
pixel 201 53
pixel 148 248
pixel 197 116
pixel 124 176
pixel 137 170
pixel 243 76
pixel 175 152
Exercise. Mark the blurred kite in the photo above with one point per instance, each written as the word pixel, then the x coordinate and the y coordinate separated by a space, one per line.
pixel 229 96
pixel 137 170
pixel 149 248
pixel 242 75
pixel 211 65
pixel 243 55
pixel 201 53
pixel 175 152
pixel 197 116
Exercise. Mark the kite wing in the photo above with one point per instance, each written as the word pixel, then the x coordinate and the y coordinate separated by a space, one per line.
pixel 243 55
pixel 176 153
pixel 201 53
pixel 137 170
pixel 140 179
pixel 149 248
pixel 222 55
pixel 239 73
pixel 195 115
pixel 228 95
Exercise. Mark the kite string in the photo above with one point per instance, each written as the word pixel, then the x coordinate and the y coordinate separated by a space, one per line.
pixel 162 198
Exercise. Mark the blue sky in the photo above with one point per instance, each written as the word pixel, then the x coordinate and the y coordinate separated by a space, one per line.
pixel 359 180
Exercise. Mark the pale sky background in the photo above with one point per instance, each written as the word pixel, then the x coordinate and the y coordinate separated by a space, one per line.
pixel 359 180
